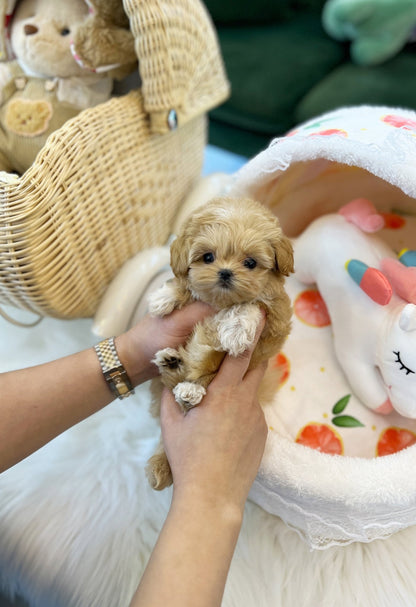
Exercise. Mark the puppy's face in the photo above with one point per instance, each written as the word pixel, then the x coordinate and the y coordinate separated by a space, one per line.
pixel 230 254
pixel 228 265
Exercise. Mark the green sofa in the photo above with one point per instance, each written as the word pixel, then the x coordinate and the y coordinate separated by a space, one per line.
pixel 285 69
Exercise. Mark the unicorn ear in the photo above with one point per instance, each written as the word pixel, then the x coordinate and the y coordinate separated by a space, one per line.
pixel 407 321
pixel 362 213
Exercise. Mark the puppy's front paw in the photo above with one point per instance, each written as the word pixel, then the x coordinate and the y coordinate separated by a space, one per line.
pixel 162 301
pixel 237 328
pixel 188 395
pixel 168 358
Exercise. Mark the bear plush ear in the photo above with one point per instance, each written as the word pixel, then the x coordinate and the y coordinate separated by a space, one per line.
pixel 104 43
pixel 284 256
pixel 179 256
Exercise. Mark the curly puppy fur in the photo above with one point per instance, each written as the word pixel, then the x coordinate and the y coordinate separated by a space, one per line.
pixel 233 255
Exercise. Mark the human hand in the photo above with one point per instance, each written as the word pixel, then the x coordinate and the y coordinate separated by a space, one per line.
pixel 215 450
pixel 138 346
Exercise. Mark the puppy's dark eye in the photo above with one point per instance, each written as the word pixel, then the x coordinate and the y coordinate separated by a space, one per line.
pixel 208 257
pixel 250 263
pixel 65 31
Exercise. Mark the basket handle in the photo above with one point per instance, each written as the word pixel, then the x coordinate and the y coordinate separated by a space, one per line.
pixel 18 323
pixel 180 62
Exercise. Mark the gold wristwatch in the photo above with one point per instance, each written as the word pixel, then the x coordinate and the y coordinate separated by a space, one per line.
pixel 114 372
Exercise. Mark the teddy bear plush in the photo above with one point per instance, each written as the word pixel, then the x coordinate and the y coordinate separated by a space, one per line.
pixel 378 29
pixel 57 70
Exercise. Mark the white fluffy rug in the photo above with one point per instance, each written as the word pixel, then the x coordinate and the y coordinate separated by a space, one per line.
pixel 78 521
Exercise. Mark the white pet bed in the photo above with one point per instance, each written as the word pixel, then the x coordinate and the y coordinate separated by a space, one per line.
pixel 335 499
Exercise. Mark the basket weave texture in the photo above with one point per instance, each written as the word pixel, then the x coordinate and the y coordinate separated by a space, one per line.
pixel 109 183
pixel 179 59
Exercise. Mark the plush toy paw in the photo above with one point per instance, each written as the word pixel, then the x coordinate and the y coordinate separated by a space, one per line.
pixel 370 280
pixel 378 30
pixel 188 394
pixel 158 472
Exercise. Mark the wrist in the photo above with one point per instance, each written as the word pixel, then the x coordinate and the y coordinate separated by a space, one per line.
pixel 131 354
pixel 221 509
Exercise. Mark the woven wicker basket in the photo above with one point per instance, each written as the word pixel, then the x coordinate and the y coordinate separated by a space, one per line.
pixel 110 181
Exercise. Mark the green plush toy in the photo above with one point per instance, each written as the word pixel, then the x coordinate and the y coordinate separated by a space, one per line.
pixel 378 29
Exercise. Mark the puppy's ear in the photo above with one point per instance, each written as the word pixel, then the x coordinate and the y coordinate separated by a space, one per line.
pixel 284 256
pixel 179 256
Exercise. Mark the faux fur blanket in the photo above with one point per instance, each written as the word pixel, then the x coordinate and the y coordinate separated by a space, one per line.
pixel 78 520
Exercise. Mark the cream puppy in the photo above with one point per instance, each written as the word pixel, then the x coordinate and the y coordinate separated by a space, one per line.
pixel 233 255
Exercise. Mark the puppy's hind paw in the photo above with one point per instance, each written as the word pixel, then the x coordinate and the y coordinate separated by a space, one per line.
pixel 158 472
pixel 168 358
pixel 188 395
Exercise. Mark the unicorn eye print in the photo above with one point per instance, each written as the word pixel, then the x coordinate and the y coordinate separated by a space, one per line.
pixel 402 365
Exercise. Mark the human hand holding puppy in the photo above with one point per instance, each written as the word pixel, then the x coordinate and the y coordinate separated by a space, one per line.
pixel 139 345
pixel 232 255
pixel 214 452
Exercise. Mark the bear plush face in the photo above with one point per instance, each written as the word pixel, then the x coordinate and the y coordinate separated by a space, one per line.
pixel 41 34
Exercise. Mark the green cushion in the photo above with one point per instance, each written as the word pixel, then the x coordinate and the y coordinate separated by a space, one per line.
pixel 238 11
pixel 390 84
pixel 271 68
pixel 285 69
pixel 259 11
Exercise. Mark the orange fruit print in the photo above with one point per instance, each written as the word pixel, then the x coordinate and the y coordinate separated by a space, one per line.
pixel 281 362
pixel 393 440
pixel 311 309
pixel 392 221
pixel 320 437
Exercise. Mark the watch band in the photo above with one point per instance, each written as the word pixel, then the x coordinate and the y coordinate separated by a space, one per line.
pixel 113 371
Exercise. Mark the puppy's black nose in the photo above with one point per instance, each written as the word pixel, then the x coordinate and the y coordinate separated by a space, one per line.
pixel 225 276
pixel 30 29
